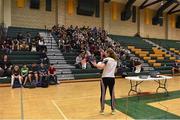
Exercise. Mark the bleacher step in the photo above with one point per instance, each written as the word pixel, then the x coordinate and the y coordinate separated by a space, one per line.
pixel 65 71
pixel 148 68
pixel 64 66
pixel 56 57
pixel 65 77
pixel 52 47
pixel 53 50
pixel 57 61
pixel 54 54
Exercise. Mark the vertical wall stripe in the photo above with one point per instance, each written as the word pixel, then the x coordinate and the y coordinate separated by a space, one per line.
pixel 148 15
pixel 172 21
pixel 70 7
pixel 114 10
pixel 20 3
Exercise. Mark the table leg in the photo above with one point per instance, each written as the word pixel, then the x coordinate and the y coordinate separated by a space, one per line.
pixel 134 87
pixel 162 85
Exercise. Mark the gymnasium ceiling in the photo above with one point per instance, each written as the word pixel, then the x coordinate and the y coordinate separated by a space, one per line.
pixel 154 6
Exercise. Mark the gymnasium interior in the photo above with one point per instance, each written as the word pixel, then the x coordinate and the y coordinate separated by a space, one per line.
pixel 49 45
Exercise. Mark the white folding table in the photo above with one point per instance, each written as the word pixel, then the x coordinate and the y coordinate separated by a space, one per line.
pixel 161 80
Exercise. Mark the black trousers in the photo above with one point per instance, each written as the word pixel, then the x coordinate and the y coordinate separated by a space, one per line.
pixel 107 82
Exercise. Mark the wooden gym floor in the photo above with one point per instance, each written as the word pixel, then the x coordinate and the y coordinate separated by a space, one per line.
pixel 78 100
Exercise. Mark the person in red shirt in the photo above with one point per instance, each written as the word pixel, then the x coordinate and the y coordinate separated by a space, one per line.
pixel 52 72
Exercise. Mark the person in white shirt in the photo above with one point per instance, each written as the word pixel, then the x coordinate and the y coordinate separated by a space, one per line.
pixel 108 65
pixel 78 61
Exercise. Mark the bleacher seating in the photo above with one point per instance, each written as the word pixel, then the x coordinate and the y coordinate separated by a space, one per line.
pixel 155 57
pixel 80 73
pixel 171 45
pixel 13 31
pixel 70 58
pixel 21 57
pixel 24 57
pixel 161 61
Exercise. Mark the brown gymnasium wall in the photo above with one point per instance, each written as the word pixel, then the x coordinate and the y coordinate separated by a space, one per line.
pixel 32 18
pixel 80 20
pixel 109 19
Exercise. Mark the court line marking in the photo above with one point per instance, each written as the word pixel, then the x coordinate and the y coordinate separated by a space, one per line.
pixel 59 110
pixel 22 107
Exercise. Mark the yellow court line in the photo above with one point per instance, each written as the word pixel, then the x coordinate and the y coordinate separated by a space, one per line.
pixel 59 110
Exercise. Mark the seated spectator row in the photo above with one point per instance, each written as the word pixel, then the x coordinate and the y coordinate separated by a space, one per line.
pixel 21 43
pixel 33 75
pixel 159 59
pixel 19 54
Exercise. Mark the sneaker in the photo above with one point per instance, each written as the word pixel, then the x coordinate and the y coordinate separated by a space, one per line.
pixel 113 112
pixel 102 112
pixel 58 82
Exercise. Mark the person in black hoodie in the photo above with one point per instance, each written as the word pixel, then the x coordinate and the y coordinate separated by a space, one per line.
pixel 5 66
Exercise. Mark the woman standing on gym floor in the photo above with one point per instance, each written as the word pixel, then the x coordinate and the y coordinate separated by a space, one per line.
pixel 108 65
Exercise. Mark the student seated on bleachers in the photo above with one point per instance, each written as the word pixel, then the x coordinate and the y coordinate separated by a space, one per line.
pixel 5 66
pixel 15 45
pixel 175 67
pixel 7 46
pixel 16 75
pixel 130 64
pixel 24 46
pixel 78 61
pixel 67 46
pixel 43 73
pixel 33 72
pixel 41 45
pixel 28 37
pixel 33 45
pixel 24 74
pixel 52 73
pixel 84 61
pixel 37 37
pixel 20 36
pixel 43 57
pixel 137 66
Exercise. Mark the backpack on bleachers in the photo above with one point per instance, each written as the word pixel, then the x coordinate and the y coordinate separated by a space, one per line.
pixel 29 85
pixel 16 84
pixel 43 83
pixel 52 80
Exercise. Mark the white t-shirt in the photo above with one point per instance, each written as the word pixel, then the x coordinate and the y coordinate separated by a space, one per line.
pixel 41 42
pixel 110 68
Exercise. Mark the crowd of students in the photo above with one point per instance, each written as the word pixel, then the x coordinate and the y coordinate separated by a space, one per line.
pixel 33 74
pixel 90 43
pixel 23 42
pixel 37 76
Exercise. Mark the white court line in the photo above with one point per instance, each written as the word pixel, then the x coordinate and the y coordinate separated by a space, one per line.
pixel 59 110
